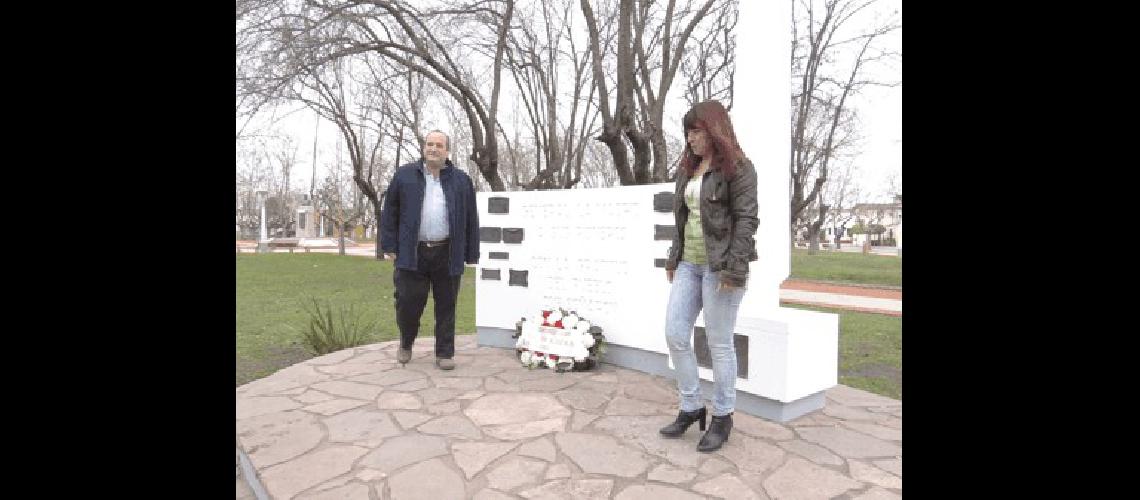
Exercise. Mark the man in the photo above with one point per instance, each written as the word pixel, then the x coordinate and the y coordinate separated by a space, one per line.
pixel 430 226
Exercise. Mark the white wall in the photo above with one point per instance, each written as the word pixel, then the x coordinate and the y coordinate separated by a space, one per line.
pixel 761 115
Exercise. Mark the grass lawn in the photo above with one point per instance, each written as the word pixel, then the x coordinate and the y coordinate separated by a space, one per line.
pixel 846 267
pixel 870 350
pixel 271 288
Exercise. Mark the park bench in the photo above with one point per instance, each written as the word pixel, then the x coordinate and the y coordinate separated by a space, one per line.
pixel 291 244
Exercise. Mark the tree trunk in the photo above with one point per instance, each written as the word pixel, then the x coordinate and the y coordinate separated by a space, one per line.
pixel 376 235
pixel 660 153
pixel 313 182
pixel 813 242
pixel 340 242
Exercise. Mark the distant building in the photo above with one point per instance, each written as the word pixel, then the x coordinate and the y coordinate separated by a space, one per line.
pixel 888 215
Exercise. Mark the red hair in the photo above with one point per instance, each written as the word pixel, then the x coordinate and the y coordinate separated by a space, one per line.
pixel 711 117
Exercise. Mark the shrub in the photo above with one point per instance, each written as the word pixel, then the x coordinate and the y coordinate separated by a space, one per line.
pixel 325 334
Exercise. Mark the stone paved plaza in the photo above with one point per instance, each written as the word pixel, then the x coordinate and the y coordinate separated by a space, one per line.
pixel 356 425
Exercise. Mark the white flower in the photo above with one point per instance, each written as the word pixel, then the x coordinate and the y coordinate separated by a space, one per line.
pixel 551 362
pixel 554 317
pixel 570 321
pixel 583 326
pixel 588 341
pixel 526 357
pixel 580 352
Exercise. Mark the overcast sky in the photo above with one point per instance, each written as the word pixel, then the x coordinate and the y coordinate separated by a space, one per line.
pixel 880 112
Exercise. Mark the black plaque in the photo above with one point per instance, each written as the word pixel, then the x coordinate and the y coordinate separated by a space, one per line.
pixel 704 359
pixel 490 234
pixel 499 255
pixel 491 274
pixel 498 205
pixel 663 202
pixel 661 232
pixel 512 235
pixel 518 278
pixel 658 262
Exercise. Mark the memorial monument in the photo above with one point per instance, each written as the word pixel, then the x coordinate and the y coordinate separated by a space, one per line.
pixel 601 252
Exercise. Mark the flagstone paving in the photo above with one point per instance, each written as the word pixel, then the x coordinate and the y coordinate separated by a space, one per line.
pixel 356 425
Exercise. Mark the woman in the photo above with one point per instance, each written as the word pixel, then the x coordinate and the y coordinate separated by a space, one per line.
pixel 714 205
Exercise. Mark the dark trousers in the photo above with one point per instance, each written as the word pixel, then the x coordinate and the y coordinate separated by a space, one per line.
pixel 411 297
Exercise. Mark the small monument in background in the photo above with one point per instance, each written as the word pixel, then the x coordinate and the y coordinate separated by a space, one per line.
pixel 306 222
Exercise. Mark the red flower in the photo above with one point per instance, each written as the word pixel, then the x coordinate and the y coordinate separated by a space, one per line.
pixel 558 324
pixel 545 314
pixel 536 353
pixel 554 357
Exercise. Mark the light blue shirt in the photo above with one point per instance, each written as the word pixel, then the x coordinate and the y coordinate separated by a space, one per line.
pixel 433 215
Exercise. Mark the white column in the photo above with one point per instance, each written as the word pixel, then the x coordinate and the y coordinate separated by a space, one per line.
pixel 761 115
pixel 898 238
pixel 262 243
pixel 263 238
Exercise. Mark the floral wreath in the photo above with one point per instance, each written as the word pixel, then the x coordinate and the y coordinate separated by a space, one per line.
pixel 588 342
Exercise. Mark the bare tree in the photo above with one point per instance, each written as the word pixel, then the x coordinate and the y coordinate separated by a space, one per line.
pixel 847 195
pixel 840 196
pixel 709 65
pixel 616 122
pixel 294 39
pixel 597 169
pixel 310 51
pixel 252 174
pixel 285 159
pixel 650 47
pixel 821 42
pixel 336 201
pixel 264 162
pixel 671 47
pixel 537 62
pixel 346 103
pixel 844 138
pixel 894 186
pixel 313 180
pixel 394 111
pixel 354 91
pixel 424 53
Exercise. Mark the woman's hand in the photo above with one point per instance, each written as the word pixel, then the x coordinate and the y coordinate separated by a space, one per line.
pixel 725 286
pixel 669 275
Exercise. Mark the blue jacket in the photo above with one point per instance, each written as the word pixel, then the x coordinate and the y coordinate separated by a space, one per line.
pixel 400 215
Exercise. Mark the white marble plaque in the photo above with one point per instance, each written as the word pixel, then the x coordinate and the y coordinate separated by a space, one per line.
pixel 586 250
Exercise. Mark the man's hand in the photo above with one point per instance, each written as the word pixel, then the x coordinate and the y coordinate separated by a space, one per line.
pixel 725 286
pixel 389 256
pixel 669 275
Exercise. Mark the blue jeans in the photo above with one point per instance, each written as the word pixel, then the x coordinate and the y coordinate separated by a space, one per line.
pixel 695 288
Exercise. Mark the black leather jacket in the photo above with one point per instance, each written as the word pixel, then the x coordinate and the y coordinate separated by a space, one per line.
pixel 728 217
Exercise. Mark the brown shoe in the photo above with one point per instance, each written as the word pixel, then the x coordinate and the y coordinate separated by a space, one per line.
pixel 445 363
pixel 403 355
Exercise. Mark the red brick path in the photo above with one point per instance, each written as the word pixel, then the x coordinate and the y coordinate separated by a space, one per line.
pixel 811 286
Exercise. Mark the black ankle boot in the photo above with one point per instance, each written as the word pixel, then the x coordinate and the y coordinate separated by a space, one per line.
pixel 718 433
pixel 684 420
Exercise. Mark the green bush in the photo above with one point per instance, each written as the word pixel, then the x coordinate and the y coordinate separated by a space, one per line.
pixel 324 334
